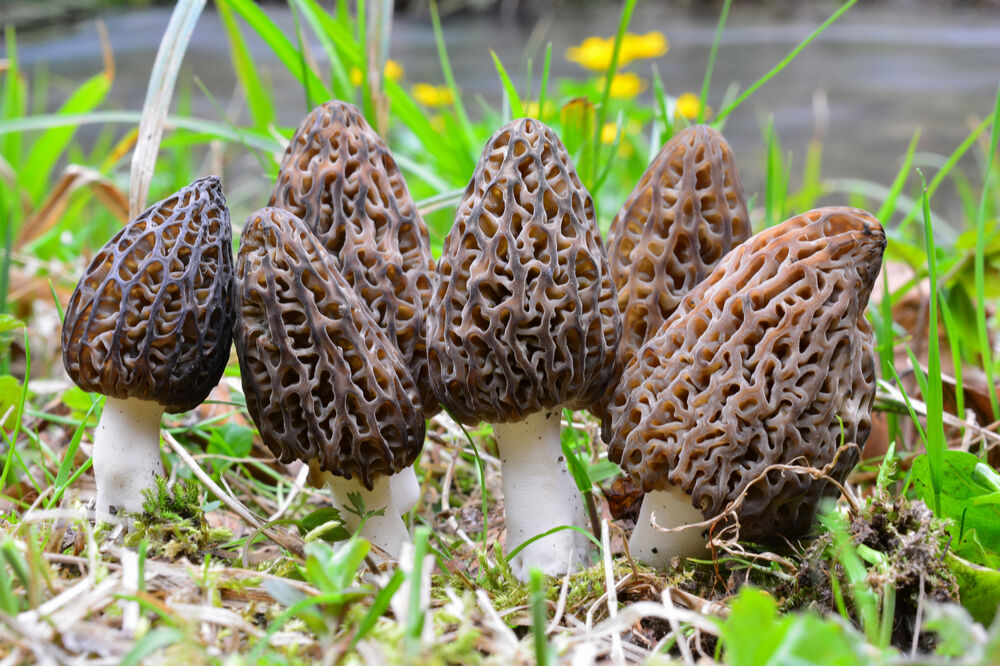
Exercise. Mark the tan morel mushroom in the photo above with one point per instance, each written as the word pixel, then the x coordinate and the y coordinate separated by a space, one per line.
pixel 768 361
pixel 323 384
pixel 687 211
pixel 523 323
pixel 149 326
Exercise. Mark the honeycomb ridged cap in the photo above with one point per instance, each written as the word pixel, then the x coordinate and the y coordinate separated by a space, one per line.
pixel 524 317
pixel 323 384
pixel 340 179
pixel 152 316
pixel 768 361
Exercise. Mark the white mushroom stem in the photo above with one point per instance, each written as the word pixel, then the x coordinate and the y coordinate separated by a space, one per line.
pixel 671 508
pixel 539 494
pixel 387 532
pixel 126 455
pixel 405 489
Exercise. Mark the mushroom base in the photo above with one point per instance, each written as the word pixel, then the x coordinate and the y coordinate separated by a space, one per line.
pixel 540 494
pixel 670 508
pixel 126 456
pixel 405 489
pixel 387 532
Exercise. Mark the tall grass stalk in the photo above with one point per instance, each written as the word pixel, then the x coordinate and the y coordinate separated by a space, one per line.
pixel 707 80
pixel 936 443
pixel 980 270
pixel 732 106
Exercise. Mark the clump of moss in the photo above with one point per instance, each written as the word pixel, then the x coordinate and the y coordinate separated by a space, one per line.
pixel 912 542
pixel 173 522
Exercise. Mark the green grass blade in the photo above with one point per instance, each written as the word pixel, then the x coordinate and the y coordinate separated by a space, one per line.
pixel 544 86
pixel 538 615
pixel 15 97
pixel 732 106
pixel 46 151
pixel 415 616
pixel 282 47
pixel 260 100
pixel 378 607
pixel 955 345
pixel 210 129
pixel 898 183
pixel 707 81
pixel 609 74
pixel 338 45
pixel 936 443
pixel 516 107
pixel 980 262
pixel 466 133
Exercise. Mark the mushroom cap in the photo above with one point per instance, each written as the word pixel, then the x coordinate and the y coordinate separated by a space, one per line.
pixel 687 211
pixel 768 361
pixel 323 383
pixel 340 178
pixel 524 316
pixel 152 316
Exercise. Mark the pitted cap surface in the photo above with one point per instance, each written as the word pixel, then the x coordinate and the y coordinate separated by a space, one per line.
pixel 152 316
pixel 768 361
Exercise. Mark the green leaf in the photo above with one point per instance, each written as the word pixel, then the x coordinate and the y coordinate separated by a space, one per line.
pixel 978 587
pixel 9 323
pixel 10 397
pixel 157 639
pixel 259 99
pixel 231 439
pixel 959 491
pixel 755 634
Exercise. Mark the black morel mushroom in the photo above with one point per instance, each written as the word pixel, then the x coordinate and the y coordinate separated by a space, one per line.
pixel 149 326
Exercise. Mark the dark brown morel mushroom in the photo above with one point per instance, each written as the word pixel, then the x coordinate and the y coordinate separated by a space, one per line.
pixel 340 178
pixel 149 326
pixel 523 323
pixel 687 211
pixel 768 361
pixel 323 384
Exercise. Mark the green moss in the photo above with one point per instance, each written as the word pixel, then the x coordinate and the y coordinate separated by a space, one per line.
pixel 173 523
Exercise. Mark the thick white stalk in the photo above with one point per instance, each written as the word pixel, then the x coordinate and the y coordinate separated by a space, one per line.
pixel 387 532
pixel 672 509
pixel 405 489
pixel 126 455
pixel 539 494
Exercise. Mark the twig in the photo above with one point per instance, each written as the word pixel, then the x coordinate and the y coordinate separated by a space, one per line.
pixel 617 655
pixel 290 542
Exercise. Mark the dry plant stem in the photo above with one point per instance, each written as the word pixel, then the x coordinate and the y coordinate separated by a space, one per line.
pixel 670 509
pixel 405 489
pixel 539 495
pixel 126 455
pixel 387 532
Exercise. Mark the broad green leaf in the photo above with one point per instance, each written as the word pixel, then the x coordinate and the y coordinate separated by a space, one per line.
pixel 959 491
pixel 978 588
pixel 9 323
pixel 755 634
pixel 10 397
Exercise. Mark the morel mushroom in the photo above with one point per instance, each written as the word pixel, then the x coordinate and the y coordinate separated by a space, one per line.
pixel 687 211
pixel 768 361
pixel 149 326
pixel 323 384
pixel 340 179
pixel 524 322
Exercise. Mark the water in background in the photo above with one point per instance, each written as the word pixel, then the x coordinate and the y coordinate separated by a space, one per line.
pixel 883 71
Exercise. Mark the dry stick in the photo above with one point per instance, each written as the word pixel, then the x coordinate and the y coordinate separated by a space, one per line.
pixel 617 655
pixel 293 544
pixel 675 629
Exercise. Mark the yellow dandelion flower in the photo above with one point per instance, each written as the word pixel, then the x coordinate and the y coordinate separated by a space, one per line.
pixel 626 85
pixel 432 96
pixel 392 71
pixel 609 131
pixel 689 106
pixel 637 47
pixel 531 109
pixel 594 53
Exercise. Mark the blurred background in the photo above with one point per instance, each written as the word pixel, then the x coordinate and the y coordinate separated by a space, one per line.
pixel 883 71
